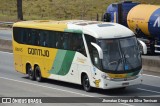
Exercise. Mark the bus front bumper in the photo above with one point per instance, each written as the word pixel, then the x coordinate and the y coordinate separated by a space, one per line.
pixel 113 83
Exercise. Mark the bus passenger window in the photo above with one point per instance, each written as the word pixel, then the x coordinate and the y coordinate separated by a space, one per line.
pixel 92 50
pixel 17 34
pixel 75 43
pixel 24 36
pixel 36 39
pixel 44 42
pixel 78 44
pixel 43 39
pixel 51 39
pixel 29 39
pixel 65 41
pixel 59 44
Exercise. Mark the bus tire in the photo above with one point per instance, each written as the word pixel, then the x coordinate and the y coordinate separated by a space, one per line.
pixel 38 74
pixel 86 83
pixel 31 74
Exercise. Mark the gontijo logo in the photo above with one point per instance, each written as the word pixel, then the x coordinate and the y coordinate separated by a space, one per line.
pixel 38 52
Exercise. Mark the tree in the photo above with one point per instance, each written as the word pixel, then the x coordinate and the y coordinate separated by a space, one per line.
pixel 19 10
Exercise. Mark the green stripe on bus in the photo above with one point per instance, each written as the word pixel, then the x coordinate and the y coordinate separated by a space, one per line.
pixel 58 61
pixel 67 62
pixel 73 31
pixel 62 62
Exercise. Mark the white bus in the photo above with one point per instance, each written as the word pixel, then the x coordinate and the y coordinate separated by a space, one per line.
pixel 94 54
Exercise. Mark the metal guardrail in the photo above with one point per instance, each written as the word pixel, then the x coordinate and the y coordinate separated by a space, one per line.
pixel 157 46
pixel 6 23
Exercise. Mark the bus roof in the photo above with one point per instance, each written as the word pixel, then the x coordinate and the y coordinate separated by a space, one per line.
pixel 96 29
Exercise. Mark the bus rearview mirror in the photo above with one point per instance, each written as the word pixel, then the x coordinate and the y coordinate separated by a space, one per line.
pixel 100 52
pixel 143 47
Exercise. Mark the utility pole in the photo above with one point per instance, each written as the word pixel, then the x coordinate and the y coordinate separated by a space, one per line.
pixel 19 10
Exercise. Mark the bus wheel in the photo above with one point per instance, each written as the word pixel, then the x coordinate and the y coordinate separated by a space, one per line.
pixel 85 83
pixel 38 74
pixel 30 72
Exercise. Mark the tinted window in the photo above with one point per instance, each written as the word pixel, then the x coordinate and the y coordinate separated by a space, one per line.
pixel 52 39
pixel 92 50
pixel 59 41
pixel 78 43
pixel 90 39
pixel 17 35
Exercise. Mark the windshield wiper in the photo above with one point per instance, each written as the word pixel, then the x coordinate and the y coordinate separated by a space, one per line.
pixel 119 61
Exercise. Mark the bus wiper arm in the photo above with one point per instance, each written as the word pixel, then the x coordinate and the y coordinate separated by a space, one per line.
pixel 119 61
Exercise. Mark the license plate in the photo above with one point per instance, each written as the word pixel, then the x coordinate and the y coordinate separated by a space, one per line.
pixel 125 84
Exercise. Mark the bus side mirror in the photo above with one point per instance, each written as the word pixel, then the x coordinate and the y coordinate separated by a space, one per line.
pixel 143 47
pixel 100 52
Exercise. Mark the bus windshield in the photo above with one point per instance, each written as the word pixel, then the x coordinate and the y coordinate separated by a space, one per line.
pixel 120 55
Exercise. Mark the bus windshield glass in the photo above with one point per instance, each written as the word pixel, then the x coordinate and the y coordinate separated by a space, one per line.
pixel 120 55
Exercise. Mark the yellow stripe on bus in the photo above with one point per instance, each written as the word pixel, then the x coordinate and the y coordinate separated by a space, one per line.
pixel 117 75
pixel 45 25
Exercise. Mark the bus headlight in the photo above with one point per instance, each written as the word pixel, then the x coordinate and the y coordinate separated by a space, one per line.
pixel 104 76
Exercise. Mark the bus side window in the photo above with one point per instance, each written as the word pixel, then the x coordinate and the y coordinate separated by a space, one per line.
pixel 18 34
pixel 29 38
pixel 44 42
pixel 78 44
pixel 24 36
pixel 92 51
pixel 51 39
pixel 66 41
pixel 35 38
pixel 59 41
pixel 70 41
pixel 75 43
pixel 41 42
pixel 43 38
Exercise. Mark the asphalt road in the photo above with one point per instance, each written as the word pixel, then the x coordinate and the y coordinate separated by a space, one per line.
pixel 14 84
pixel 6 34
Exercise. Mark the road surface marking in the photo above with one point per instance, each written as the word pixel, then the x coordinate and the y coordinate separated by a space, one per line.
pixel 57 89
pixel 148 90
pixel 46 87
pixel 151 75
pixel 6 52
pixel 126 104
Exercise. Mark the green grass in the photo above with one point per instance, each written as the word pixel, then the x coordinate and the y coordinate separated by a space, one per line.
pixel 6 17
pixel 58 9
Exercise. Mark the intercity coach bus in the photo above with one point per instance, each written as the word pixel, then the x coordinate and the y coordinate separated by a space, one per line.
pixel 94 54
